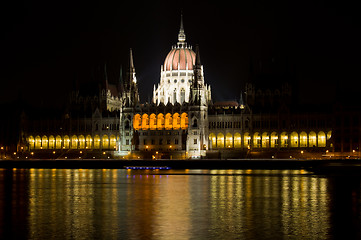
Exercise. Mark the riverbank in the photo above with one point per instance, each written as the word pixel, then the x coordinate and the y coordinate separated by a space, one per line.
pixel 186 164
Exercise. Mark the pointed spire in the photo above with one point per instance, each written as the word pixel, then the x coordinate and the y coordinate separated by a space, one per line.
pixel 198 57
pixel 181 35
pixel 131 63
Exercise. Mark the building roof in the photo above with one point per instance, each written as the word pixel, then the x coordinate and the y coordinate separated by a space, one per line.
pixel 184 57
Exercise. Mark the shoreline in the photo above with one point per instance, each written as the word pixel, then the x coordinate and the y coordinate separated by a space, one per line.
pixel 268 164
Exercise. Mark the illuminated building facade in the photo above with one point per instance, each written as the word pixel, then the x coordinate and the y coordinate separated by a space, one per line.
pixel 181 121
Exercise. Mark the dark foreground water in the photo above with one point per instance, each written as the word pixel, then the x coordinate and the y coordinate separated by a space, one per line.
pixel 188 204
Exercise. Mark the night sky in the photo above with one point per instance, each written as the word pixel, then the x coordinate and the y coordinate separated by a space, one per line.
pixel 48 45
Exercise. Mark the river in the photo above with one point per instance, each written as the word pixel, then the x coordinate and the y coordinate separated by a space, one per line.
pixel 178 204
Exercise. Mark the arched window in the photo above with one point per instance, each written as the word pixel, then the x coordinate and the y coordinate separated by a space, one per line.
pixel 184 120
pixel 105 141
pixel 220 140
pixel 274 140
pixel 74 142
pixel 303 139
pixel 284 140
pixel 329 135
pixel 31 142
pixel 160 121
pixel 58 142
pixel 145 122
pixel 247 140
pixel 88 142
pixel 152 122
pixel 66 142
pixel 51 142
pixel 44 142
pixel 256 140
pixel 229 140
pixel 237 140
pixel 168 121
pixel 294 139
pixel 321 139
pixel 96 142
pixel 265 140
pixel 312 139
pixel 37 142
pixel 213 140
pixel 113 143
pixel 195 123
pixel 176 121
pixel 81 142
pixel 137 124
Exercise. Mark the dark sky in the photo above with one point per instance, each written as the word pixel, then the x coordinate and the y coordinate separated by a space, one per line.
pixel 46 45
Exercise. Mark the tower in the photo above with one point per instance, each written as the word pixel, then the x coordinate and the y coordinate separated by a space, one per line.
pixel 129 100
pixel 197 139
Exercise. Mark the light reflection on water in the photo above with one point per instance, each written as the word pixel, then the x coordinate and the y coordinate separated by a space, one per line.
pixel 177 204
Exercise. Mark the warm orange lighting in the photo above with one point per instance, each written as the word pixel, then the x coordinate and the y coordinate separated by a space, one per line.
pixel 81 152
pixel 146 147
pixel 301 152
pixel 53 152
pixel 14 153
pixel 103 153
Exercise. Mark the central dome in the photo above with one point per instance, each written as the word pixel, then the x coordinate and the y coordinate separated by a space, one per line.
pixel 182 57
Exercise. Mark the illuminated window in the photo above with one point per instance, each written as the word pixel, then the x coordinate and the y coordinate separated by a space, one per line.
pixel 160 121
pixel 152 122
pixel 96 142
pixel 168 121
pixel 274 140
pixel 31 142
pixel 284 140
pixel 51 142
pixel 312 139
pixel 256 140
pixel 184 121
pixel 176 121
pixel 212 140
pixel 66 142
pixel 105 141
pixel 321 139
pixel 145 122
pixel 237 140
pixel 329 135
pixel 294 139
pixel 58 142
pixel 88 142
pixel 229 140
pixel 113 142
pixel 74 142
pixel 44 142
pixel 137 122
pixel 303 139
pixel 37 142
pixel 265 140
pixel 220 140
pixel 81 142
pixel 247 140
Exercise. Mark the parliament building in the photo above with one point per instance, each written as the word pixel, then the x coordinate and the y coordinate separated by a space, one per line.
pixel 181 121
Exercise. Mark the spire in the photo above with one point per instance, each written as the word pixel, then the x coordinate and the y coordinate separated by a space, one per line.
pixel 198 57
pixel 132 78
pixel 181 35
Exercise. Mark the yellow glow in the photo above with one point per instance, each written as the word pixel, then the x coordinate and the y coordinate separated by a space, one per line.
pixel 256 140
pixel 176 121
pixel 265 140
pixel 213 140
pixel 220 140
pixel 137 122
pixel 237 140
pixel 229 140
pixel 153 122
pixel 168 121
pixel 274 140
pixel 184 121
pixel 160 121
pixel 145 122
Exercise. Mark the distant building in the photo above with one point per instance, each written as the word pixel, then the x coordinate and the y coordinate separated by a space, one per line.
pixel 182 121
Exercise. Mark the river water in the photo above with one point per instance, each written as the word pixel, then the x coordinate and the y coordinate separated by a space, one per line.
pixel 177 204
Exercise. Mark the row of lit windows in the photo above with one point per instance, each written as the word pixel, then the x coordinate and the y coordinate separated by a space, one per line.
pixel 160 122
pixel 74 142
pixel 266 140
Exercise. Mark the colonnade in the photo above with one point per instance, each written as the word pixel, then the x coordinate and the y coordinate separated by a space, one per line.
pixel 268 140
pixel 73 142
